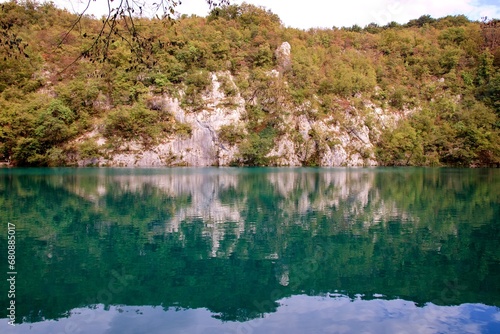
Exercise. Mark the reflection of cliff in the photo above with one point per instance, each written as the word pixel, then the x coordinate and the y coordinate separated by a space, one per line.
pixel 232 203
pixel 222 198
pixel 229 204
pixel 201 190
pixel 352 194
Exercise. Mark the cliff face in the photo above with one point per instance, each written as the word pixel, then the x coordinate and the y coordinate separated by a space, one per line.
pixel 304 141
pixel 201 148
pixel 304 138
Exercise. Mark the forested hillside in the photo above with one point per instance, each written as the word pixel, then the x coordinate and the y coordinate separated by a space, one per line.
pixel 423 93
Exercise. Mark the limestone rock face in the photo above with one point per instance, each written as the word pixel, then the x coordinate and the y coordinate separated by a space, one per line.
pixel 345 138
pixel 201 148
pixel 283 57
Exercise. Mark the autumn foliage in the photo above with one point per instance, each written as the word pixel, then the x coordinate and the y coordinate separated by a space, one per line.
pixel 442 74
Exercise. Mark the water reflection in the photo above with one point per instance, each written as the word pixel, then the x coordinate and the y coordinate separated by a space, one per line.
pixel 236 244
pixel 297 314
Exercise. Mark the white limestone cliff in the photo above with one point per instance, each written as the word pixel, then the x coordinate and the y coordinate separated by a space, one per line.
pixel 343 139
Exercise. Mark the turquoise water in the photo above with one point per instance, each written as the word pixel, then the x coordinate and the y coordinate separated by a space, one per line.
pixel 251 250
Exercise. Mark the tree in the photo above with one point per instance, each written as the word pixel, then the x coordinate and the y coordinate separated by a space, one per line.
pixel 120 22
pixel 421 21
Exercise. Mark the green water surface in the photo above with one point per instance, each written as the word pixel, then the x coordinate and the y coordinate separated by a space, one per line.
pixel 252 250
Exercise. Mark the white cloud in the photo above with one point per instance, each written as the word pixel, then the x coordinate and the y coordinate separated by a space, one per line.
pixel 297 314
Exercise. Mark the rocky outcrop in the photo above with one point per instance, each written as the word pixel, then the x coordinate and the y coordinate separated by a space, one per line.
pixel 325 143
pixel 201 148
pixel 283 57
pixel 344 138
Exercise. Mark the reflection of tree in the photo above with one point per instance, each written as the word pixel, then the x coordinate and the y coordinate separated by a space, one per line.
pixel 225 239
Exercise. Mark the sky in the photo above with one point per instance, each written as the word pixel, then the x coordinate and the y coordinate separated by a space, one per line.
pixel 305 14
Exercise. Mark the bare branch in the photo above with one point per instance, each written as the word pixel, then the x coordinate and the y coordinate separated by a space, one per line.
pixel 77 21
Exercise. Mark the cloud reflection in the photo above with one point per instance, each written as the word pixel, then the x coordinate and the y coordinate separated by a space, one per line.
pixel 297 314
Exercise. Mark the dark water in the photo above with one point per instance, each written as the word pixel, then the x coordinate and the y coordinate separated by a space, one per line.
pixel 251 250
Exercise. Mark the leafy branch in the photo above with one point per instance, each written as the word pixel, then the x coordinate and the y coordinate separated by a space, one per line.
pixel 121 22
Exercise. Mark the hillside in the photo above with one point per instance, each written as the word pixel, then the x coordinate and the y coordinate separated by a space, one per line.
pixel 239 88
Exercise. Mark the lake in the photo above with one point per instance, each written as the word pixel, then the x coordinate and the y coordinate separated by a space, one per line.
pixel 250 250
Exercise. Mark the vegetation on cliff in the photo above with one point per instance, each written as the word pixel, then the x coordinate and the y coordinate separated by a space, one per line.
pixel 440 77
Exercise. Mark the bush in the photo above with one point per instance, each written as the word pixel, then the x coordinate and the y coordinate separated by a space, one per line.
pixel 79 94
pixel 89 149
pixel 156 103
pixel 400 146
pixel 134 123
pixel 56 157
pixel 184 130
pixel 398 98
pixel 228 87
pixel 196 82
pixel 53 124
pixel 348 75
pixel 28 152
pixel 231 134
pixel 254 149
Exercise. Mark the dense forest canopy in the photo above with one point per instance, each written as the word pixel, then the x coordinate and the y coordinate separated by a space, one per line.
pixel 59 81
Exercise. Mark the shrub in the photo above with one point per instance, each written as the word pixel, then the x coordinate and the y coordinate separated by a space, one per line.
pixel 228 87
pixel 196 82
pixel 56 156
pixel 134 123
pixel 254 149
pixel 89 149
pixel 231 134
pixel 184 130
pixel 397 98
pixel 53 124
pixel 156 103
